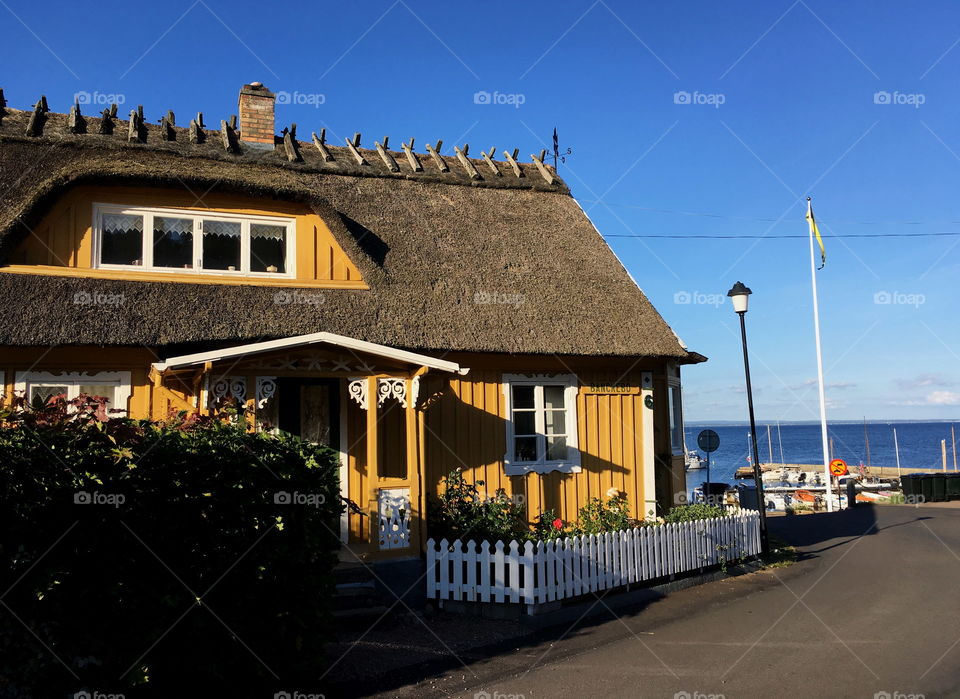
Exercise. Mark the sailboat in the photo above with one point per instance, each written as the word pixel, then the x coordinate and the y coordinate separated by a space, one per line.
pixel 693 460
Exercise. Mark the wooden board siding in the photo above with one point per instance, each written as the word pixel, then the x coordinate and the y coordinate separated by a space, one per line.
pixel 465 427
pixel 62 243
pixel 360 527
pixel 87 360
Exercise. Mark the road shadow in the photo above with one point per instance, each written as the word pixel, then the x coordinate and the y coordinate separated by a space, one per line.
pixel 833 529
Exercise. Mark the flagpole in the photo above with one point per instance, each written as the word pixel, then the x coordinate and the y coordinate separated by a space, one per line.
pixel 828 479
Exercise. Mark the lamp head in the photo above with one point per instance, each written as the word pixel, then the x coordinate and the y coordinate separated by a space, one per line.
pixel 740 295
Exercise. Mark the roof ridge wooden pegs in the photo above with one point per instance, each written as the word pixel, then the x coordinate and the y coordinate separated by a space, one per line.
pixel 385 155
pixel 136 131
pixel 512 159
pixel 489 158
pixel 75 122
pixel 106 120
pixel 412 158
pixel 3 106
pixel 321 144
pixel 290 144
pixel 544 170
pixel 437 158
pixel 352 145
pixel 38 117
pixel 197 134
pixel 467 165
pixel 167 122
pixel 228 137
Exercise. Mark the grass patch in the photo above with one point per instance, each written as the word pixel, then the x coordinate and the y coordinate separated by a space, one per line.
pixel 781 554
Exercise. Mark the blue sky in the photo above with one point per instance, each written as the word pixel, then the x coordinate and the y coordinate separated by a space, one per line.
pixel 734 112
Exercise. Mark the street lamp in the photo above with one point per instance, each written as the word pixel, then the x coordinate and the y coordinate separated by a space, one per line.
pixel 740 295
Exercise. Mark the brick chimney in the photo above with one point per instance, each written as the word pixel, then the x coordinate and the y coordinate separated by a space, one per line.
pixel 256 115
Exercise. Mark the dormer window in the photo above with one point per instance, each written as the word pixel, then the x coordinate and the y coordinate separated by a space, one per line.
pixel 166 240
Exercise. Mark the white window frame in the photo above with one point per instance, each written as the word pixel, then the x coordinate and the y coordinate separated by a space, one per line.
pixel 148 214
pixel 120 380
pixel 675 412
pixel 571 388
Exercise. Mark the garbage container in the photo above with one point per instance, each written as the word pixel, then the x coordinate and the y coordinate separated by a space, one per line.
pixel 953 486
pixel 713 493
pixel 939 487
pixel 748 497
pixel 926 487
pixel 910 485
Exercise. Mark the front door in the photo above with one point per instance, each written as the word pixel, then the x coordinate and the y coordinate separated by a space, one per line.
pixel 311 409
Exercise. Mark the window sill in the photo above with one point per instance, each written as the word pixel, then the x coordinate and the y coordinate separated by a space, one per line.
pixel 523 469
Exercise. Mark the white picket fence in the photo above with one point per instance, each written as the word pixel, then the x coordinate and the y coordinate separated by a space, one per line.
pixel 547 571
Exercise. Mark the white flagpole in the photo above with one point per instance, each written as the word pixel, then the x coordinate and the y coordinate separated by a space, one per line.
pixel 828 479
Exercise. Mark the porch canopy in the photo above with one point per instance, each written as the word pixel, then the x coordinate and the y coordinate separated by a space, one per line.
pixel 299 341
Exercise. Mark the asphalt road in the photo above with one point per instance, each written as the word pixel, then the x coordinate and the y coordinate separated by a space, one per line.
pixel 872 606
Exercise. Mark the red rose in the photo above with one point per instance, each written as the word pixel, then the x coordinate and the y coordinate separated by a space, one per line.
pixel 558 523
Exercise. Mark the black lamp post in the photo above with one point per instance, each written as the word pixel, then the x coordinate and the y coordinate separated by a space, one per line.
pixel 740 295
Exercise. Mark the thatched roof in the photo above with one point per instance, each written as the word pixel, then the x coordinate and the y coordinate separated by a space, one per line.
pixel 433 247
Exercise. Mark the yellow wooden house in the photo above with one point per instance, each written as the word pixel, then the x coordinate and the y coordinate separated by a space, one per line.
pixel 417 311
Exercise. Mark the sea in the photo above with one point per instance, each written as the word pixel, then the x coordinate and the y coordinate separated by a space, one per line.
pixel 800 443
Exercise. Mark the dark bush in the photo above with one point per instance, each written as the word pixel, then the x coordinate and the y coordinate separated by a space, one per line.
pixel 461 511
pixel 161 559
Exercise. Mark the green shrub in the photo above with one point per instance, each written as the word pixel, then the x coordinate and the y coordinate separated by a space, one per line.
pixel 161 558
pixel 462 512
pixel 689 513
pixel 599 517
pixel 548 527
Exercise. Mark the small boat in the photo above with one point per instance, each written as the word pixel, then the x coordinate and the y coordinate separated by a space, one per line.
pixel 693 461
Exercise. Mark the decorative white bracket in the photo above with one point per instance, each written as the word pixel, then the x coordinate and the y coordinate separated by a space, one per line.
pixel 414 390
pixel 266 389
pixel 357 389
pixel 232 386
pixel 392 388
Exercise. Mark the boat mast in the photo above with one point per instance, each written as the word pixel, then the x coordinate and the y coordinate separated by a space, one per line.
pixel 780 439
pixel 866 439
pixel 896 448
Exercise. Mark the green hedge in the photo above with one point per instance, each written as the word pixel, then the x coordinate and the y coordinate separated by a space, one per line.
pixel 110 529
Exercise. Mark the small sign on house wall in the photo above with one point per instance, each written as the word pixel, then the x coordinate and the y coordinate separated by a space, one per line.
pixel 610 390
